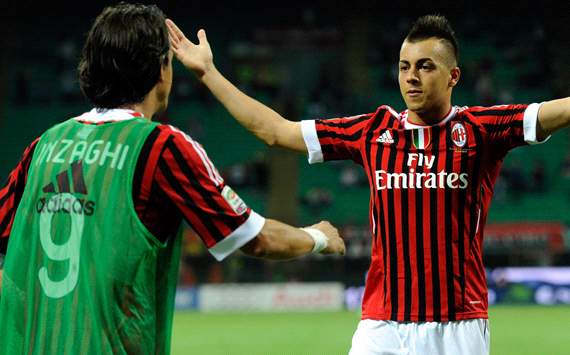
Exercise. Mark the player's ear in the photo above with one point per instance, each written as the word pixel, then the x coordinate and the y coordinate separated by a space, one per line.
pixel 454 76
pixel 166 66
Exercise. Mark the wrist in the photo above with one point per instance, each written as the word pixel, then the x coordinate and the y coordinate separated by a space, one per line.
pixel 319 238
pixel 209 74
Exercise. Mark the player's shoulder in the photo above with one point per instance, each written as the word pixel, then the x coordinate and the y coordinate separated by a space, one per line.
pixel 178 138
pixel 496 110
pixel 174 133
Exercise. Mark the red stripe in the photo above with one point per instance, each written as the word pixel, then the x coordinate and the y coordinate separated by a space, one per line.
pixel 427 242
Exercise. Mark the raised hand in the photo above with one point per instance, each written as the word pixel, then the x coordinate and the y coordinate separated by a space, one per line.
pixel 196 57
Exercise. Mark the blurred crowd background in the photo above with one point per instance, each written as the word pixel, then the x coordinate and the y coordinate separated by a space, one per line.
pixel 316 60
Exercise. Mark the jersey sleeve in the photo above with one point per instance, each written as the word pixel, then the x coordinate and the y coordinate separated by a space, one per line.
pixel 509 126
pixel 11 194
pixel 216 213
pixel 335 139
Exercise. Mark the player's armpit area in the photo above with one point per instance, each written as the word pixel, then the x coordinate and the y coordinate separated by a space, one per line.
pixel 289 135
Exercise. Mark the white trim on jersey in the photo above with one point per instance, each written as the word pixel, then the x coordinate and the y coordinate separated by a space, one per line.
pixel 239 237
pixel 529 124
pixel 212 171
pixel 312 141
pixel 99 115
pixel 409 125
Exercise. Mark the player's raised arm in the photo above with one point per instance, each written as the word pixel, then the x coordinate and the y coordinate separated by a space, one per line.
pixel 265 123
pixel 552 116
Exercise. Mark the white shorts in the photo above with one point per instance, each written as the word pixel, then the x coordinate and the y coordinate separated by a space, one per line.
pixel 465 337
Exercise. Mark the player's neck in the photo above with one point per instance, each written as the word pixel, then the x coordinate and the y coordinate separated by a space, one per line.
pixel 147 108
pixel 429 118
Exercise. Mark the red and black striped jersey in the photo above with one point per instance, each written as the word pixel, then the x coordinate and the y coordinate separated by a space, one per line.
pixel 431 187
pixel 174 180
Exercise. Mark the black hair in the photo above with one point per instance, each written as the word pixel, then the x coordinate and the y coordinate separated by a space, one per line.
pixel 437 26
pixel 123 55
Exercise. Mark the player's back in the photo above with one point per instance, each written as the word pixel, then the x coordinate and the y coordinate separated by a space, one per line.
pixel 82 274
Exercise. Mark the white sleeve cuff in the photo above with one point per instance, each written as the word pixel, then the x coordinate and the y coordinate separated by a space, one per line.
pixel 239 237
pixel 312 141
pixel 529 124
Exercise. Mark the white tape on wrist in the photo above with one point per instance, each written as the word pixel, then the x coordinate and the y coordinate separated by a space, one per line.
pixel 320 239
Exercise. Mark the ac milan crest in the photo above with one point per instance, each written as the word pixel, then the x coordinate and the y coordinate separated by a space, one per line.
pixel 459 135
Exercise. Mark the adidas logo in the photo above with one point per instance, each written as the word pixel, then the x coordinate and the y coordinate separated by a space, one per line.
pixel 67 184
pixel 386 137
pixel 63 181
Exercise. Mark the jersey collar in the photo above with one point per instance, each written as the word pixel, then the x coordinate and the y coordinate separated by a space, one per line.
pixel 98 115
pixel 408 125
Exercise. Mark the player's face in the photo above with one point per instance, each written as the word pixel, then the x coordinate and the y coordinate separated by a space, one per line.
pixel 426 75
pixel 165 83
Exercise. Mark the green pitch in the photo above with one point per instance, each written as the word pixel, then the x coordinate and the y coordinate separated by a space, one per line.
pixel 517 330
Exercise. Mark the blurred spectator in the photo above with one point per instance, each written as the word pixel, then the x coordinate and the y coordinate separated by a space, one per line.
pixel 317 199
pixel 515 179
pixel 566 166
pixel 539 177
pixel 484 83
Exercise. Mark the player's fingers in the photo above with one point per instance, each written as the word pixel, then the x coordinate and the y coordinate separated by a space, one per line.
pixel 177 33
pixel 173 42
pixel 202 38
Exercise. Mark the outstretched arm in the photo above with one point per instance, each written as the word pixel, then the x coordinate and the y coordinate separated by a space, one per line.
pixel 265 123
pixel 280 241
pixel 552 116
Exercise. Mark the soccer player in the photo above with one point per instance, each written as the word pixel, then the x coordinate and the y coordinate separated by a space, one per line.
pixel 90 215
pixel 431 171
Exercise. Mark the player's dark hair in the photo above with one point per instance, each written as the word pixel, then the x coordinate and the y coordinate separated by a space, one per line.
pixel 437 26
pixel 123 55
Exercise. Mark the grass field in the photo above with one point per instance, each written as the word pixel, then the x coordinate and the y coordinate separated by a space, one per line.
pixel 531 330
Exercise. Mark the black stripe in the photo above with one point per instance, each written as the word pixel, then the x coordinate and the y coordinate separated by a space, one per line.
pixel 393 255
pixel 3 245
pixel 498 112
pixel 434 231
pixel 49 188
pixel 449 154
pixel 78 178
pixel 406 234
pixel 328 151
pixel 331 134
pixel 476 197
pixel 230 222
pixel 461 225
pixel 420 257
pixel 346 124
pixel 500 127
pixel 8 194
pixel 63 182
pixel 6 220
pixel 142 161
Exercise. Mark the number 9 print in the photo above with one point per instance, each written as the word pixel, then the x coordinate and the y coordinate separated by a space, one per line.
pixel 70 250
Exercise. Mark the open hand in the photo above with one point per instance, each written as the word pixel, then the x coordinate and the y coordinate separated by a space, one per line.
pixel 196 57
